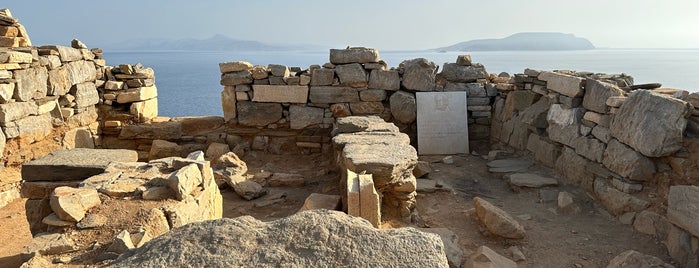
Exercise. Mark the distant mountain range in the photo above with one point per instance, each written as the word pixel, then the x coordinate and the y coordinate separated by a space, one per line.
pixel 524 41
pixel 214 43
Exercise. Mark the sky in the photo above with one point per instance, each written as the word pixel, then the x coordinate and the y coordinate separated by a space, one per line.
pixel 387 25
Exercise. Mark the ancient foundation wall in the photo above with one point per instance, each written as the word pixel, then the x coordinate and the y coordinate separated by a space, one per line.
pixel 634 150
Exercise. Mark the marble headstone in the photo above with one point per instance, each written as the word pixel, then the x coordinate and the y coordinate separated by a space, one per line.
pixel 442 123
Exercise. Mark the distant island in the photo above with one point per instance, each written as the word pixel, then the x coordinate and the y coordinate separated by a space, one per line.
pixel 524 41
pixel 215 43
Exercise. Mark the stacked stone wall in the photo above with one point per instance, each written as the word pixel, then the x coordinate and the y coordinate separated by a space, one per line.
pixel 631 148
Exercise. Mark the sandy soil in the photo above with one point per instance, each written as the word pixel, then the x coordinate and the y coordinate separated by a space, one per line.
pixel 589 238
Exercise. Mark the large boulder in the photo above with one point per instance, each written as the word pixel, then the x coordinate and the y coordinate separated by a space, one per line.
pixel 318 237
pixel 652 124
pixel 418 74
pixel 497 221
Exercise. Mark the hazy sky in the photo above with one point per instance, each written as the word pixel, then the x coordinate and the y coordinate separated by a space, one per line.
pixel 387 25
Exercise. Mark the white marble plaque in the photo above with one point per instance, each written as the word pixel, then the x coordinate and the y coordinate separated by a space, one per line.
pixel 442 123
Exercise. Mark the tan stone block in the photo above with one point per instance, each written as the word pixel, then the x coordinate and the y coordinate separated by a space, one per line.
pixel 144 110
pixel 137 94
pixel 9 41
pixel 242 96
pixel 9 31
pixel 15 57
pixel 9 66
pixel 353 195
pixel 71 204
pixel 114 85
pixel 370 206
pixel 228 102
pixel 280 94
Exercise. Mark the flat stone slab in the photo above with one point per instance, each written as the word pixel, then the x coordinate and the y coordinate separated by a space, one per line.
pixel 509 165
pixel 74 164
pixel 531 180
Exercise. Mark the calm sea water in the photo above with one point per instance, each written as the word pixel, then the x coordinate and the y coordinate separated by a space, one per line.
pixel 188 81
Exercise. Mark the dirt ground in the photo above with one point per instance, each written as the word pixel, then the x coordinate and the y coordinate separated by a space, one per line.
pixel 589 238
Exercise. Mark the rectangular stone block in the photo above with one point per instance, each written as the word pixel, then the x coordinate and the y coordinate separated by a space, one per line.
pixel 9 31
pixel 441 124
pixel 280 94
pixel 568 85
pixel 326 94
pixel 81 71
pixel 228 103
pixel 74 164
pixel 137 94
pixel 16 110
pixel 370 206
pixel 681 207
pixel 353 195
pixel 85 94
pixel 322 77
pixel 43 189
pixel 144 110
pixel 15 57
pixel 354 55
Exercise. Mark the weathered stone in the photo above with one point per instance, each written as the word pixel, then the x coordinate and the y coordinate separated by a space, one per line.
pixel 280 94
pixel 259 114
pixel 366 108
pixel 85 94
pixel 258 244
pixel 30 129
pixel 160 131
pixel 48 244
pixel 651 123
pixel 422 169
pixel 451 244
pixel 486 257
pixel 403 107
pixel 322 77
pixel 53 220
pixel 286 180
pixel 572 166
pixel 228 102
pixel 259 72
pixel 535 115
pixel 324 94
pixel 303 116
pixel 566 203
pixel 69 53
pixel 157 193
pixel 6 92
pixel 372 95
pixel 568 85
pixel 635 259
pixel 564 124
pixel 278 70
pixel 235 66
pixel 321 201
pixel 497 221
pixel 185 180
pixel 31 83
pixel 516 101
pixel 682 247
pixel 216 150
pixel 161 149
pixel 71 204
pixel 509 165
pixel 78 138
pixel 236 78
pixel 651 223
pixel 156 223
pixel 681 207
pixel 530 180
pixel 463 60
pixel 628 163
pixel 597 93
pixel 459 73
pixel 354 55
pixel 144 110
pixel 81 72
pixel 590 148
pixel 247 189
pixel 15 57
pixel 418 74
pixel 363 124
pixel 199 125
pixel 340 110
pixel 617 202
pixel 74 164
pixel 137 94
pixel 352 75
pixel 92 221
pixel 369 202
pixel 121 243
pixel 384 79
pixel 16 110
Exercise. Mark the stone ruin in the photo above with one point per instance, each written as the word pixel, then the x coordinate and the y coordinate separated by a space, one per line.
pixel 634 148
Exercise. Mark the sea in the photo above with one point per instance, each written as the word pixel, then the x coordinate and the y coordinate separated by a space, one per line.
pixel 188 81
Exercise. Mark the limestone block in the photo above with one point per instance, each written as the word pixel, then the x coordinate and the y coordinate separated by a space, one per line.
pixel 16 110
pixel 463 60
pixel 185 180
pixel 369 202
pixel 161 149
pixel 121 243
pixel 15 57
pixel 352 75
pixel 199 125
pixel 114 85
pixel 30 129
pixel 530 180
pixel 568 85
pixel 617 202
pixel 418 74
pixel 216 150
pixel 564 124
pixel 236 78
pixel 278 70
pixel 68 54
pixel 81 71
pixel 154 131
pixel 497 221
pixel 78 138
pixel 572 166
pixel 652 124
pixel 384 79
pixel 486 257
pixel 353 195
pixel 325 94
pixel 597 93
pixel 454 72
pixel 354 55
pixel 280 94
pixel 386 160
pixel 137 94
pixel 58 81
pixel 247 189
pixel 681 207
pixel 535 115
pixel 9 31
pixel 259 72
pixel 303 116
pixel 228 102
pixel 403 107
pixel 367 108
pixel 235 66
pixel 322 77
pixel 258 113
pixel 635 259
pixel 144 110
pixel 31 83
pixel 628 163
pixel 590 148
pixel 516 101
pixel 75 164
pixel 6 92
pixel 372 95
pixel 71 204
pixel 321 201
pixel 85 94
pixel 48 244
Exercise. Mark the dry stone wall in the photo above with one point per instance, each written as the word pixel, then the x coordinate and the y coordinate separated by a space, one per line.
pixel 633 149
